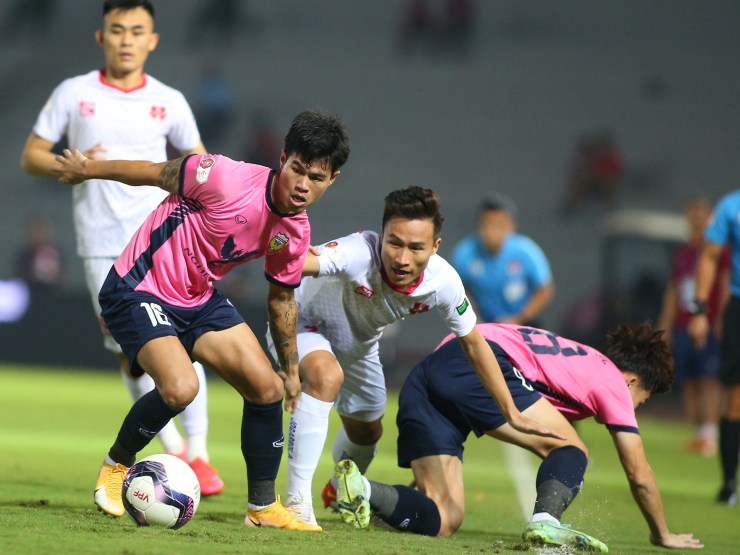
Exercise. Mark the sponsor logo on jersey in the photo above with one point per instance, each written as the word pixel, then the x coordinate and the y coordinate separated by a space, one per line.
pixel 204 168
pixel 277 242
pixel 158 112
pixel 463 307
pixel 87 108
pixel 364 291
pixel 418 308
pixel 240 219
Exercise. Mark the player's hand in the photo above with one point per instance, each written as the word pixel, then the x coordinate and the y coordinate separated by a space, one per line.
pixel 698 329
pixel 677 541
pixel 292 386
pixel 527 425
pixel 97 152
pixel 70 166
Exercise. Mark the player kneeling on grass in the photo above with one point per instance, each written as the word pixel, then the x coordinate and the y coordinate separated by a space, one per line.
pixel 160 304
pixel 550 378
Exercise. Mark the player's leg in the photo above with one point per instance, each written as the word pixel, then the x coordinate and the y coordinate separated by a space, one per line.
pixel 559 478
pixel 236 355
pixel 96 270
pixel 709 397
pixel 729 427
pixel 176 384
pixel 194 420
pixel 321 379
pixel 361 406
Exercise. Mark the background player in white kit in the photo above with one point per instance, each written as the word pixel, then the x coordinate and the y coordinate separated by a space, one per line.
pixel 120 112
pixel 364 282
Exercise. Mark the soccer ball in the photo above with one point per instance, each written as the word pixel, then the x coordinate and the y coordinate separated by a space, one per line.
pixel 161 490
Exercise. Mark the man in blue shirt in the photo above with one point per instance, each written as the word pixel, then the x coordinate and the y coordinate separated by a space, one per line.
pixel 724 229
pixel 506 274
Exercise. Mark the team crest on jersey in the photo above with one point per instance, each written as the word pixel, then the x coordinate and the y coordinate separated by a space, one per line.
pixel 331 244
pixel 158 112
pixel 87 108
pixel 364 291
pixel 418 308
pixel 463 307
pixel 204 168
pixel 277 242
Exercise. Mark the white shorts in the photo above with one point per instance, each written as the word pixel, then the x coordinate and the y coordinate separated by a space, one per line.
pixel 362 395
pixel 96 270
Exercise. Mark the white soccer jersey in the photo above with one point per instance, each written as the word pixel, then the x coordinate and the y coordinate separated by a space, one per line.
pixel 131 125
pixel 350 302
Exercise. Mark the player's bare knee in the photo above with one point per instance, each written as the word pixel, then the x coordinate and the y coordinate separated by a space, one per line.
pixel 179 394
pixel 451 520
pixel 322 379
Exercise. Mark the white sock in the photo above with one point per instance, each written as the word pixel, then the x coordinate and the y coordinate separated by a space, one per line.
pixel 170 438
pixel 309 425
pixel 544 516
pixel 343 448
pixel 707 431
pixel 194 418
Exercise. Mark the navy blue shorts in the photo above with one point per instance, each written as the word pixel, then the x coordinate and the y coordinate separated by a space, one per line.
pixel 693 363
pixel 135 318
pixel 443 400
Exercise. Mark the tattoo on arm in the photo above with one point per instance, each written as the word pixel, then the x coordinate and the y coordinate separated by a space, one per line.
pixel 283 327
pixel 169 177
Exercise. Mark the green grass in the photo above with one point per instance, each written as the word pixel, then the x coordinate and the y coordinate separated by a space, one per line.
pixel 55 426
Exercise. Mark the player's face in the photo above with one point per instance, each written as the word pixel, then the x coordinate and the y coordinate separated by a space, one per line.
pixel 299 183
pixel 493 227
pixel 127 39
pixel 406 247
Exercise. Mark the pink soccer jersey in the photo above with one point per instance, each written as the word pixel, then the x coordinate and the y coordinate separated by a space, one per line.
pixel 577 379
pixel 223 216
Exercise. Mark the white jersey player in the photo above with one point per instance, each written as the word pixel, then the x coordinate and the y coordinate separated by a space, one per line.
pixel 120 112
pixel 359 284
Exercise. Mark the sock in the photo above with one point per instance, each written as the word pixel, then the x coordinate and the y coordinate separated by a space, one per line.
pixel 343 448
pixel 144 420
pixel 170 438
pixel 194 419
pixel 307 432
pixel 537 517
pixel 559 480
pixel 405 509
pixel 707 431
pixel 262 448
pixel 729 444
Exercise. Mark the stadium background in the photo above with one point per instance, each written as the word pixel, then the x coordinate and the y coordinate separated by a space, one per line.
pixel 662 75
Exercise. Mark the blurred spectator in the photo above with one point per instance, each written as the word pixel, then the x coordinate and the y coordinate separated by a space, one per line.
pixel 597 170
pixel 506 274
pixel 417 27
pixel 220 20
pixel 460 25
pixel 32 16
pixel 39 262
pixel 264 142
pixel 214 107
pixel 697 368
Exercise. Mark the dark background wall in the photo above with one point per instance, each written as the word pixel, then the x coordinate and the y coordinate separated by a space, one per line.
pixel 662 75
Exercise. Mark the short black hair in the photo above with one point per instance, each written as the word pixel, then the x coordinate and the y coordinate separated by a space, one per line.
pixel 110 5
pixel 315 136
pixel 498 201
pixel 641 349
pixel 414 203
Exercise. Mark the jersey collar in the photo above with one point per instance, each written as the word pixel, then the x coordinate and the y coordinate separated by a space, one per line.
pixel 101 77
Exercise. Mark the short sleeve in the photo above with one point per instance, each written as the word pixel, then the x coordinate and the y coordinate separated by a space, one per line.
pixel 452 304
pixel 184 134
pixel 718 230
pixel 53 120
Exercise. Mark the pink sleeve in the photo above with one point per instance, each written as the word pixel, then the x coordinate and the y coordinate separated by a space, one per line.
pixel 206 177
pixel 285 257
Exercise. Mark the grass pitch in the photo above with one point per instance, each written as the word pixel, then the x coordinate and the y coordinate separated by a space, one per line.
pixel 56 424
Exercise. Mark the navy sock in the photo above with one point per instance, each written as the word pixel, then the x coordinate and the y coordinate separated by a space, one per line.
pixel 405 509
pixel 262 447
pixel 729 445
pixel 559 480
pixel 148 415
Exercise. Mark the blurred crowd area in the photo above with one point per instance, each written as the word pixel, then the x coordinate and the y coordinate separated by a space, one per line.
pixel 581 112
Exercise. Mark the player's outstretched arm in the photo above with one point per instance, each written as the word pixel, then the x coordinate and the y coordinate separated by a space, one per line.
pixel 283 320
pixel 645 491
pixel 74 167
pixel 489 372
